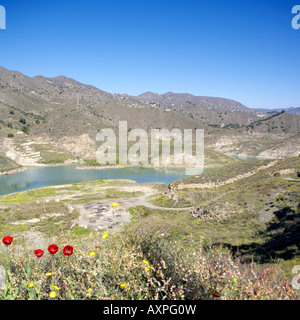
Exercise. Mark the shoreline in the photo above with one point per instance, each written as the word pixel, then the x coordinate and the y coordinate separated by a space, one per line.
pixel 117 166
pixel 22 169
pixel 13 171
pixel 137 166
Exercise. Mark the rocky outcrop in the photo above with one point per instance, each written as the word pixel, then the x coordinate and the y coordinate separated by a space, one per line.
pixel 82 146
pixel 286 151
pixel 209 214
pixel 22 154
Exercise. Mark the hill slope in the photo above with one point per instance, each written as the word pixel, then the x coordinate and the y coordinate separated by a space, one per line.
pixel 60 116
pixel 210 110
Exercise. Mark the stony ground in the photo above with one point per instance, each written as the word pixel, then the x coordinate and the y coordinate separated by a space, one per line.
pixel 86 205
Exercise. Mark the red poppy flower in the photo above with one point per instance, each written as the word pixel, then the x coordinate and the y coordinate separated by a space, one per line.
pixel 38 252
pixel 216 294
pixel 53 248
pixel 7 240
pixel 68 250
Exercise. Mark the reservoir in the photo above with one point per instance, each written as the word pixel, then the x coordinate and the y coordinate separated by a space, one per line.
pixel 36 177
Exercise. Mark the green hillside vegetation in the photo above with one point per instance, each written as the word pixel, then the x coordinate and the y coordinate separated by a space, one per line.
pixel 257 216
pixel 277 124
pixel 160 254
pixel 7 164
pixel 228 171
pixel 216 117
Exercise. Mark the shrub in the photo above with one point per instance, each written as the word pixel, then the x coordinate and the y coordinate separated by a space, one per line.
pixel 130 267
pixel 25 130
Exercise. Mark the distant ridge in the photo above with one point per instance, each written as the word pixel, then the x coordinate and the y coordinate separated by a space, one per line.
pixel 50 88
pixel 171 98
pixel 210 110
pixel 291 110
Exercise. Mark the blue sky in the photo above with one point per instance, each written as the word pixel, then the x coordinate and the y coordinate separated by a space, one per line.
pixel 242 50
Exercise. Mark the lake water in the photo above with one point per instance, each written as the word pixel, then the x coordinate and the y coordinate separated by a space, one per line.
pixel 36 177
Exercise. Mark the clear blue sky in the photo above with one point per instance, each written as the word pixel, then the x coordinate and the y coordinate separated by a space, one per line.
pixel 243 50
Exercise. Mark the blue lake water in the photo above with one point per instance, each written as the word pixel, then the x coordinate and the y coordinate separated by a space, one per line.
pixel 36 177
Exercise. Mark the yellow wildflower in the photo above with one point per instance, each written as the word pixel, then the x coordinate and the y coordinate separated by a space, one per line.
pixel 90 290
pixel 30 285
pixel 104 236
pixel 146 262
pixel 57 288
pixel 92 254
pixel 147 269
pixel 123 285
pixel 115 205
pixel 52 294
pixel 49 274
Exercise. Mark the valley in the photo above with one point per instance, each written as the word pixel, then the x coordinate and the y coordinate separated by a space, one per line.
pixel 51 184
pixel 55 120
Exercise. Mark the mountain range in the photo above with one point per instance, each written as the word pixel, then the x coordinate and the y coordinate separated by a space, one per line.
pixel 57 119
pixel 292 110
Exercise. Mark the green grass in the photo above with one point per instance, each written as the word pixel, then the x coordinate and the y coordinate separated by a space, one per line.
pixel 51 155
pixel 216 159
pixel 49 207
pixel 181 225
pixel 110 193
pixel 239 211
pixel 216 175
pixel 29 195
pixel 81 231
pixel 7 164
pixel 50 217
pixel 240 231
pixel 165 201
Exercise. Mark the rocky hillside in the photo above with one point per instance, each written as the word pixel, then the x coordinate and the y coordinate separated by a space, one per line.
pixel 50 89
pixel 174 99
pixel 279 124
pixel 52 120
pixel 210 110
pixel 291 110
pixel 260 200
pixel 295 111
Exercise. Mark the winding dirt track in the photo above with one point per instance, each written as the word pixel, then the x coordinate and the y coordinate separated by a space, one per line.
pixel 144 201
pixel 223 183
